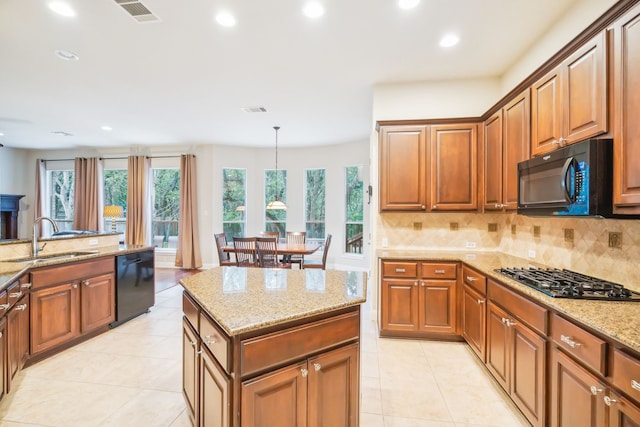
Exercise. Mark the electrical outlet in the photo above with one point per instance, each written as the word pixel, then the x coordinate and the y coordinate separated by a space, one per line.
pixel 93 242
pixel 615 239
pixel 532 253
pixel 471 245
pixel 385 242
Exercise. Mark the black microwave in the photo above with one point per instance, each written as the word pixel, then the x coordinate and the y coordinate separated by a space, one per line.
pixel 572 181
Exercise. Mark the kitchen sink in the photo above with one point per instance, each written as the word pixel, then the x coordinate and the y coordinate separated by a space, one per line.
pixel 53 257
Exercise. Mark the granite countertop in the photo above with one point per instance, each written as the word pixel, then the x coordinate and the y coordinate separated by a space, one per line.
pixel 247 299
pixel 619 320
pixel 11 271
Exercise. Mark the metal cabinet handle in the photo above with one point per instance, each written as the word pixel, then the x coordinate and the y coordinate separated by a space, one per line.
pixel 562 140
pixel 400 270
pixel 608 401
pixel 25 285
pixel 199 352
pixel 415 283
pixel 595 390
pixel 193 344
pixel 86 282
pixel 422 284
pixel 471 278
pixel 21 307
pixel 15 294
pixel 208 339
pixel 439 271
pixel 4 306
pixel 317 366
pixel 569 341
pixel 635 385
pixel 555 142
pixel 74 286
pixel 508 322
pixel 424 207
pixel 480 301
pixel 304 372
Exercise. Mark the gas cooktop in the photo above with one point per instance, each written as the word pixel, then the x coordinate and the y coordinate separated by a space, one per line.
pixel 560 283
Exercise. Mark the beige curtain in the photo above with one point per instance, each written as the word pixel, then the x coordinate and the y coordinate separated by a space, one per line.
pixel 88 194
pixel 188 252
pixel 138 201
pixel 41 191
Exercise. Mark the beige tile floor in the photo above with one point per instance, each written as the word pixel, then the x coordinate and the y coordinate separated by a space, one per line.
pixel 131 376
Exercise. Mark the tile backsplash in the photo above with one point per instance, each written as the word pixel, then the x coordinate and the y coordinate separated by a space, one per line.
pixel 588 251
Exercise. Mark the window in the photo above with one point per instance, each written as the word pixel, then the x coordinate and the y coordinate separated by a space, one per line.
pixel 275 219
pixel 115 193
pixel 315 204
pixel 60 190
pixel 354 210
pixel 234 196
pixel 166 207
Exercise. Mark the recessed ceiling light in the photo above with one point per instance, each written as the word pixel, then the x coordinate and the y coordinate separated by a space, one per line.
pixel 66 55
pixel 408 4
pixel 226 19
pixel 449 40
pixel 313 10
pixel 106 128
pixel 62 8
pixel 1 134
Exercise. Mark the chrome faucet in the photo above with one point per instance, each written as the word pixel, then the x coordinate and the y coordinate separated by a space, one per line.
pixel 34 240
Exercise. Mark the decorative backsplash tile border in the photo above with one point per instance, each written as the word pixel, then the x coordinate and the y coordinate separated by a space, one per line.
pixel 587 251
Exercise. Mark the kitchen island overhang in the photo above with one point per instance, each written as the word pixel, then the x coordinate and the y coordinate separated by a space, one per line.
pixel 252 337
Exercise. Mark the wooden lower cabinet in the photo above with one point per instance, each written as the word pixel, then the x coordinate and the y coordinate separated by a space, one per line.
pixel 18 338
pixel 516 356
pixel 622 413
pixel 190 371
pixel 399 305
pixel 54 316
pixel 474 320
pixel 576 394
pixel 214 400
pixel 437 306
pixel 97 302
pixel 3 358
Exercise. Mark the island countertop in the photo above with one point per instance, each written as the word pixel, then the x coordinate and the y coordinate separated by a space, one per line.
pixel 242 299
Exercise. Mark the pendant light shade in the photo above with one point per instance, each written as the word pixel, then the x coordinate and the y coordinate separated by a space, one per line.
pixel 276 203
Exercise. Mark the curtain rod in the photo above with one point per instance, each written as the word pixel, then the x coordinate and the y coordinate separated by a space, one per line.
pixel 110 158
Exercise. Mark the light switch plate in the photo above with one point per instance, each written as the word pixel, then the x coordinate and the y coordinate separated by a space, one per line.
pixel 471 245
pixel 385 242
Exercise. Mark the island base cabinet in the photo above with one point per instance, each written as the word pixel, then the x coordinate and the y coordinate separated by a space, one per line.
pixel 622 413
pixel 190 377
pixel 576 395
pixel 321 391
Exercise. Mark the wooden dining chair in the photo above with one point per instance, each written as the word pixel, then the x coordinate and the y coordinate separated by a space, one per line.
pixel 296 238
pixel 267 248
pixel 223 257
pixel 275 234
pixel 245 249
pixel 318 264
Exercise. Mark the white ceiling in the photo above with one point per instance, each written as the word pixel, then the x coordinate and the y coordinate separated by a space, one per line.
pixel 184 79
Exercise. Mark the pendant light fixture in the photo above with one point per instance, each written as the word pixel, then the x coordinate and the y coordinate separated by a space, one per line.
pixel 276 204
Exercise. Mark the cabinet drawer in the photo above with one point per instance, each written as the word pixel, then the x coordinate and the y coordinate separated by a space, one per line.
pixel 283 347
pixel 430 270
pixel 399 269
pixel 626 374
pixel 584 346
pixel 67 273
pixel 522 308
pixel 14 292
pixel 215 340
pixel 191 311
pixel 475 280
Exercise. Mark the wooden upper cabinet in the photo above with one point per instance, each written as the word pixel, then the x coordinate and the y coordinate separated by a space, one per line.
pixel 492 137
pixel 626 152
pixel 403 176
pixel 516 135
pixel 453 164
pixel 569 103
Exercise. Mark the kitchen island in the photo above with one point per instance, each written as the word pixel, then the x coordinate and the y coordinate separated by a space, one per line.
pixel 264 347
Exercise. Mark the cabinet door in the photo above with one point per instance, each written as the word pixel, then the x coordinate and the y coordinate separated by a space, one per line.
pixel 399 305
pixel 498 345
pixel 18 338
pixel 276 399
pixel 454 160
pixel 626 169
pixel 97 302
pixel 576 395
pixel 585 91
pixel 4 383
pixel 403 161
pixel 516 117
pixel 334 388
pixel 214 399
pixel 492 137
pixel 528 372
pixel 437 306
pixel 474 321
pixel 54 316
pixel 546 113
pixel 190 362
pixel 622 413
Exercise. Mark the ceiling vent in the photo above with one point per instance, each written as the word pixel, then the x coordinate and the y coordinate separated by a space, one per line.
pixel 254 109
pixel 137 10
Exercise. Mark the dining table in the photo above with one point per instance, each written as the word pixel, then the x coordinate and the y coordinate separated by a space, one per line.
pixel 287 249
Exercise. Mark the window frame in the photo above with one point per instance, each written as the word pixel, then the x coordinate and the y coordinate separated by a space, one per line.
pixel 347 223
pixel 243 222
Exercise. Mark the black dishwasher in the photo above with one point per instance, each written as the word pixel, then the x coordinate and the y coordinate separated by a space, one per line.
pixel 135 286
